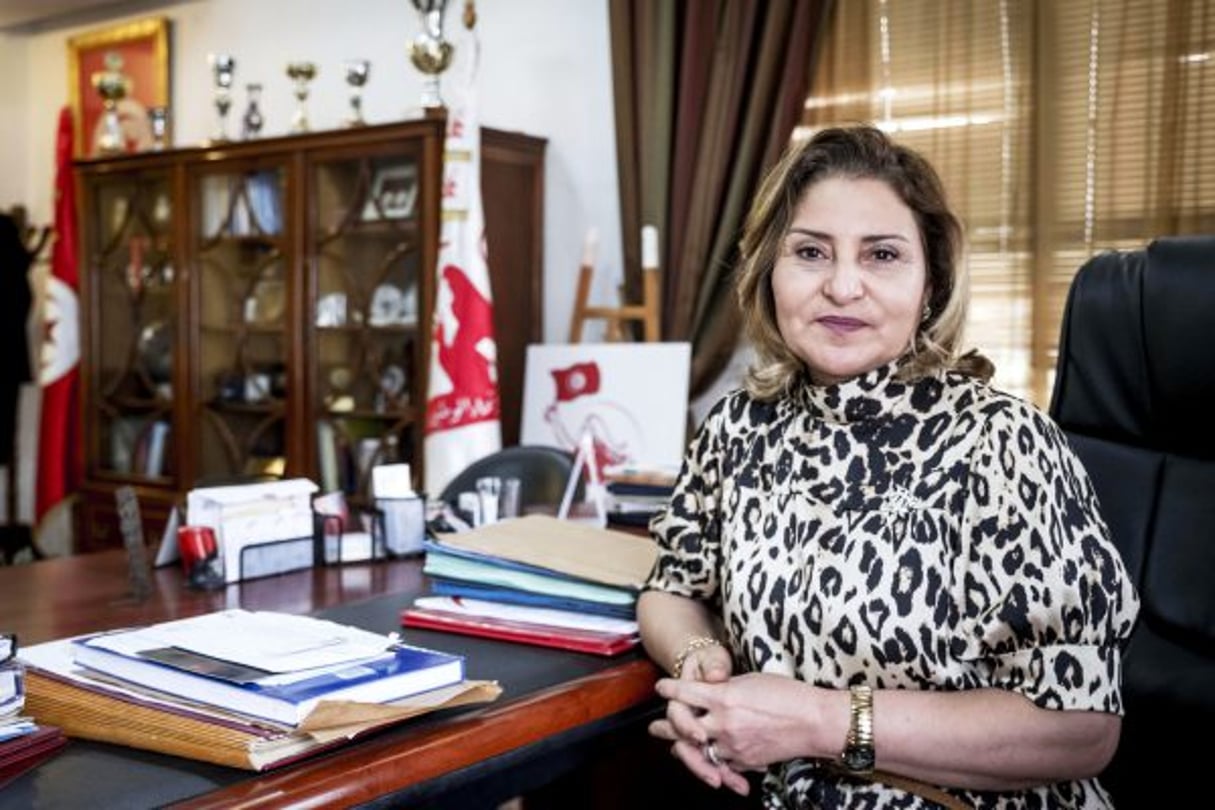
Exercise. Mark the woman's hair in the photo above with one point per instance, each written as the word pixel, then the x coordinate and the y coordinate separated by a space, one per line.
pixel 861 152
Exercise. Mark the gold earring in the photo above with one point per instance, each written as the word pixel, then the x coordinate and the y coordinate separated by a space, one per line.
pixel 926 313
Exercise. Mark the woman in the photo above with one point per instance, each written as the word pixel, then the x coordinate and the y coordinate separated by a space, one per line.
pixel 873 560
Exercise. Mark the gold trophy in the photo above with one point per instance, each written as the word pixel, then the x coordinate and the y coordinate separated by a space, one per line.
pixel 429 52
pixel 301 73
pixel 112 85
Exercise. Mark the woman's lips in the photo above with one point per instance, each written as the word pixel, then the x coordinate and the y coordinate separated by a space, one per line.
pixel 839 324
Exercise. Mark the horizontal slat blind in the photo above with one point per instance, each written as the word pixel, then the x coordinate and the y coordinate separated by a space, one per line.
pixel 1130 152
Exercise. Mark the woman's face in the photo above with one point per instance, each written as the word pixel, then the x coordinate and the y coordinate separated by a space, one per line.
pixel 850 278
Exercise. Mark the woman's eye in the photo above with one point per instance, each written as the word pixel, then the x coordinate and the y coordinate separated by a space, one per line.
pixel 884 254
pixel 809 252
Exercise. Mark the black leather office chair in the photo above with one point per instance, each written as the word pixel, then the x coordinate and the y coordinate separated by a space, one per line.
pixel 1135 392
pixel 542 472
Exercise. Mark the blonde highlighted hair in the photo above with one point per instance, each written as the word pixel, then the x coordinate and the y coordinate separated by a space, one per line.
pixel 860 152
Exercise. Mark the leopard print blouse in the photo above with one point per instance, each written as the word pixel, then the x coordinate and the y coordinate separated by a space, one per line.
pixel 929 535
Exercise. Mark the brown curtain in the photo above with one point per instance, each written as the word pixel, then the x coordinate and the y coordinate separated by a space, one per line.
pixel 707 95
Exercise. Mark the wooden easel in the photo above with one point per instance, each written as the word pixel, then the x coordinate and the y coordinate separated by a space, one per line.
pixel 648 312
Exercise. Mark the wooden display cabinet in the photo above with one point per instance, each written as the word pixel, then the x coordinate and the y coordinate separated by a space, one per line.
pixel 262 309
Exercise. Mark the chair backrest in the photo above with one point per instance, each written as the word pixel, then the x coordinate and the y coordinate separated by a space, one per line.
pixel 542 472
pixel 1134 391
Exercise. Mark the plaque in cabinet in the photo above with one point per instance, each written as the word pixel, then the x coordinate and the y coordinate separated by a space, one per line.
pixel 394 192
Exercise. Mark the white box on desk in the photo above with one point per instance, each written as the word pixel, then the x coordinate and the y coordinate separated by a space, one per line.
pixel 261 529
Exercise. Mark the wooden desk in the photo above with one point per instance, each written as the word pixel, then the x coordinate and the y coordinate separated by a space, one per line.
pixel 551 699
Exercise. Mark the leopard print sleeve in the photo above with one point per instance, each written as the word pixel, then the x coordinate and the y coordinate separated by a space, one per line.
pixel 688 531
pixel 1047 601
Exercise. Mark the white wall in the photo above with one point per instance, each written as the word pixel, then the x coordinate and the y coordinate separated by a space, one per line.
pixel 545 70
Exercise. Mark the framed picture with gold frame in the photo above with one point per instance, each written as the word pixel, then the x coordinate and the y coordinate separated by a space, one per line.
pixel 139 50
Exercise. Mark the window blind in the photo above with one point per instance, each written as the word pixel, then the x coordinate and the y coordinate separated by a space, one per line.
pixel 1059 129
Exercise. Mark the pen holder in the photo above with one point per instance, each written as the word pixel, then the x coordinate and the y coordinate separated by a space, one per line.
pixel 334 542
pixel 401 525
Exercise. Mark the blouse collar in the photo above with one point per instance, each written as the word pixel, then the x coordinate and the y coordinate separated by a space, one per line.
pixel 871 395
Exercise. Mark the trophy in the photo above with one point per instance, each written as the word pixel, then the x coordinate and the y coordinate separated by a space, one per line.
pixel 429 52
pixel 251 122
pixel 301 73
pixel 158 119
pixel 222 67
pixel 112 85
pixel 357 73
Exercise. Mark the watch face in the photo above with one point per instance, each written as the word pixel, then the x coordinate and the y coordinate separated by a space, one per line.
pixel 858 758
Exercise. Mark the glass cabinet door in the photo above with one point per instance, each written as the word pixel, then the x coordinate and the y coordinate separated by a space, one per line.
pixel 367 243
pixel 131 267
pixel 243 297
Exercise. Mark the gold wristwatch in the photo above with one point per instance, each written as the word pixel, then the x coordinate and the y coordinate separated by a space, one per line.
pixel 858 754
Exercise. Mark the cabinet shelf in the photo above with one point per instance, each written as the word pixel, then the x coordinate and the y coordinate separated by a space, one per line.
pixel 406 415
pixel 274 407
pixel 136 405
pixel 356 328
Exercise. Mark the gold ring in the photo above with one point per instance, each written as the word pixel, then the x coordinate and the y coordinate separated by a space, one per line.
pixel 709 749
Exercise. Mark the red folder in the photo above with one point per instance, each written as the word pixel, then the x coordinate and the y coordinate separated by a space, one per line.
pixel 20 754
pixel 542 635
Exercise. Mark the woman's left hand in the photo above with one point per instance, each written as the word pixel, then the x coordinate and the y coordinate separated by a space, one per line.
pixel 752 720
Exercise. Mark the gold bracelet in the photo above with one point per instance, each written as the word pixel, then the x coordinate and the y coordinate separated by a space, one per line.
pixel 692 645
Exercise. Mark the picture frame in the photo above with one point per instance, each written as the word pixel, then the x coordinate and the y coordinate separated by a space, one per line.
pixel 629 399
pixel 393 193
pixel 143 47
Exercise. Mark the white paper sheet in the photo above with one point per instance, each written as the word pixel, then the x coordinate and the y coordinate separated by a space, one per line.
pixel 275 642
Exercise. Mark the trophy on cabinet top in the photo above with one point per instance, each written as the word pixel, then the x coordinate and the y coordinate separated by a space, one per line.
pixel 158 119
pixel 112 85
pixel 251 122
pixel 301 73
pixel 428 51
pixel 223 67
pixel 358 71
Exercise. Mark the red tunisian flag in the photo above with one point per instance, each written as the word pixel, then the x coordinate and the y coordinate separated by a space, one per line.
pixel 462 403
pixel 58 445
pixel 578 380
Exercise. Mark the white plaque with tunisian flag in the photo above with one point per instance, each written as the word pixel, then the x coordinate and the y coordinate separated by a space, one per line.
pixel 630 398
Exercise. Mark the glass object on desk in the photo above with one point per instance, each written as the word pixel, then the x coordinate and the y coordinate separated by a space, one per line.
pixel 509 499
pixel 489 490
pixel 12 679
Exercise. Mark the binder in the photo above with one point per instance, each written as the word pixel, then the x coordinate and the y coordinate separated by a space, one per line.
pixel 563 638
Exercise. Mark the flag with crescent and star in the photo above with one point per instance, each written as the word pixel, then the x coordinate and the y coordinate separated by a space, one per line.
pixel 59 461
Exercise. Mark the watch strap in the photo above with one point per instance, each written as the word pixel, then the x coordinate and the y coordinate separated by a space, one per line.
pixel 858 755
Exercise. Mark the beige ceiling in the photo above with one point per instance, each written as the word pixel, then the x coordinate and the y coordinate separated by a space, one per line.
pixel 20 13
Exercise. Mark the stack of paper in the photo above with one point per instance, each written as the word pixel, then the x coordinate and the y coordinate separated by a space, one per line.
pixel 537 580
pixel 249 690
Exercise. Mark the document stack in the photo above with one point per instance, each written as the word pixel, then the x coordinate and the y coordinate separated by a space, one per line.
pixel 245 689
pixel 537 580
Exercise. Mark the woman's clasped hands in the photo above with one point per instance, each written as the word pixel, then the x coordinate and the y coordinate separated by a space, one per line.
pixel 721 726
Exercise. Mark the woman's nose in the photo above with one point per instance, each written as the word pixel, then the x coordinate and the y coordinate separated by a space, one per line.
pixel 844 282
